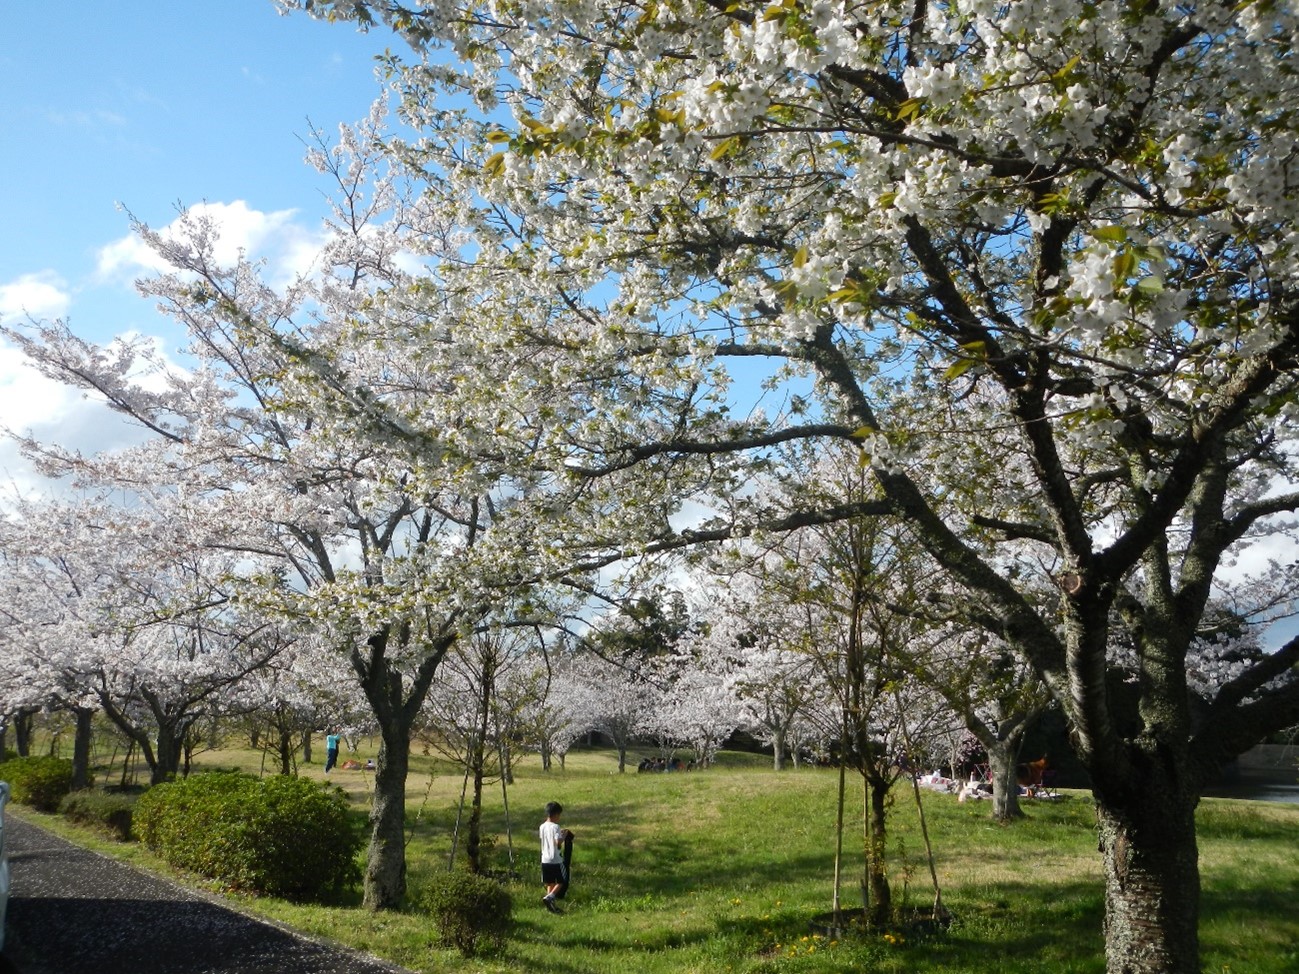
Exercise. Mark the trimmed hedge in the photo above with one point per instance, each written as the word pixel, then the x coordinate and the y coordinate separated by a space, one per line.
pixel 101 809
pixel 41 782
pixel 278 836
pixel 472 913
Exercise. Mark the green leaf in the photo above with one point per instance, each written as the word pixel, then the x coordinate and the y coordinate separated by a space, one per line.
pixel 726 147
pixel 976 353
pixel 494 165
pixel 1125 265
pixel 497 137
pixel 1072 63
pixel 909 109
pixel 1111 234
pixel 1150 285
pixel 800 256
pixel 787 291
pixel 958 369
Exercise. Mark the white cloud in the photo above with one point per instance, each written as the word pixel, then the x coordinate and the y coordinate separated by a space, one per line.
pixel 41 295
pixel 33 405
pixel 27 398
pixel 29 402
pixel 240 229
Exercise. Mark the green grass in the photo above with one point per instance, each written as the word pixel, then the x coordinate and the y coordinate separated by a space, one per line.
pixel 728 870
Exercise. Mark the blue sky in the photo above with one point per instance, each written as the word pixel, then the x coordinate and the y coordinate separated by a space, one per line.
pixel 151 104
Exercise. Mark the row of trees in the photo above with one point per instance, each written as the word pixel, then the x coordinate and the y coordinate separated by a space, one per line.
pixel 1034 266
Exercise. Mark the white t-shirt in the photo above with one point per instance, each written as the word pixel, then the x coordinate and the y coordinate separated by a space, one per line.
pixel 551 842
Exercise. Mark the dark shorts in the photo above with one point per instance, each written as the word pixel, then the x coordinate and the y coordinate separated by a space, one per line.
pixel 553 872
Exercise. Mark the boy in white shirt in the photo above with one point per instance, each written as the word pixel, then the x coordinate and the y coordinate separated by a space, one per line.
pixel 554 874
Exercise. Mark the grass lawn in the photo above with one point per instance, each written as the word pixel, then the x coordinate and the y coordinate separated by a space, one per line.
pixel 728 870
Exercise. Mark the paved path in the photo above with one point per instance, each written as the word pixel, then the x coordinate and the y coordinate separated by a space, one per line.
pixel 72 911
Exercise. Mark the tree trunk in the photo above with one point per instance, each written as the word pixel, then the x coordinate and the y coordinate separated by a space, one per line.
pixel 23 732
pixel 473 839
pixel 877 876
pixel 507 764
pixel 1152 882
pixel 778 751
pixel 167 755
pixel 1002 761
pixel 81 748
pixel 306 747
pixel 385 861
pixel 286 750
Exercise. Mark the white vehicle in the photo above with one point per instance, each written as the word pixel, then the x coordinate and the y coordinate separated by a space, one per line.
pixel 4 862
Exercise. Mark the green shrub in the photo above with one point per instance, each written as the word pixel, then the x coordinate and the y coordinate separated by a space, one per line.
pixel 277 836
pixel 103 810
pixel 472 913
pixel 40 782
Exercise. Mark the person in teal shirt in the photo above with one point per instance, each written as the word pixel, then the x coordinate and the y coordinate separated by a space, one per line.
pixel 331 750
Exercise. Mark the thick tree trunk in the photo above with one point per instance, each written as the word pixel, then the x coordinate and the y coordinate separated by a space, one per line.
pixel 1152 883
pixel 385 861
pixel 877 875
pixel 306 747
pixel 81 747
pixel 167 754
pixel 23 732
pixel 385 865
pixel 1002 761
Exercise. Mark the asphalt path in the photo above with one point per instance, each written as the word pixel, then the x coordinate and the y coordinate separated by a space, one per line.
pixel 72 911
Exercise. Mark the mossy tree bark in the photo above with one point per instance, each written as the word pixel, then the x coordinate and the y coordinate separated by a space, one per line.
pixel 395 706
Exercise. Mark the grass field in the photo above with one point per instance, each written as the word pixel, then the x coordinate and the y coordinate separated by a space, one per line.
pixel 729 869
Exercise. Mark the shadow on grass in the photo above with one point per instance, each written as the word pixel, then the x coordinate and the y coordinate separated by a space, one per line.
pixel 1015 929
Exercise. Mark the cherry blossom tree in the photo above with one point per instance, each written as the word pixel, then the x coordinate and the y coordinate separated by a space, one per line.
pixel 382 475
pixel 460 721
pixel 692 703
pixel 119 610
pixel 768 670
pixel 994 693
pixel 306 688
pixel 611 700
pixel 549 709
pixel 1062 228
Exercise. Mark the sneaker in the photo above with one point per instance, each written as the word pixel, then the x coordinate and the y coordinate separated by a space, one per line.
pixel 549 903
